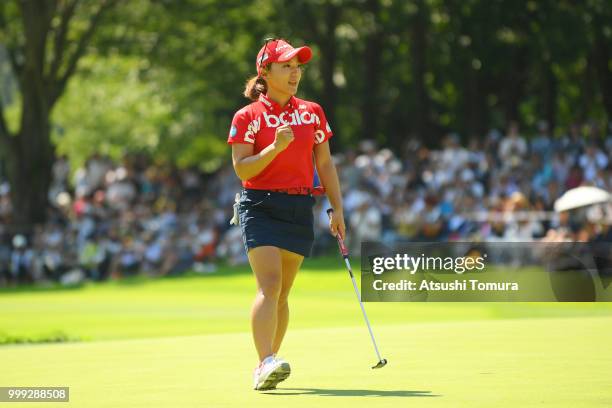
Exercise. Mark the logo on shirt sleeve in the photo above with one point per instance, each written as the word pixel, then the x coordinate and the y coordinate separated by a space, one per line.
pixel 252 129
pixel 327 127
pixel 319 136
pixel 233 131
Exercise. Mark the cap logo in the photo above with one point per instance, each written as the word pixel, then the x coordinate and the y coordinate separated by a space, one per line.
pixel 281 47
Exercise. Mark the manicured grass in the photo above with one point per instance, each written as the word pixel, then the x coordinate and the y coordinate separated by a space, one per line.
pixel 185 342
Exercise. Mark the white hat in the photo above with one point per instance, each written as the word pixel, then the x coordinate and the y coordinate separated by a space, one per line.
pixel 581 197
pixel 19 241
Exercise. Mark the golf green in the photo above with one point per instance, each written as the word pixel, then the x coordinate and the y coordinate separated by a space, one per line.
pixel 184 342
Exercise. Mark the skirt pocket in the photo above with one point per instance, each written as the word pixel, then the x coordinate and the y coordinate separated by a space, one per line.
pixel 253 198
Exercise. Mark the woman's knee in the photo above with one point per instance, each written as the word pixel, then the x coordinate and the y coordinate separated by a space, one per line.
pixel 270 287
pixel 267 266
pixel 283 298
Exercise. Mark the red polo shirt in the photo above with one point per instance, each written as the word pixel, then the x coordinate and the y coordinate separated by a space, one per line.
pixel 256 124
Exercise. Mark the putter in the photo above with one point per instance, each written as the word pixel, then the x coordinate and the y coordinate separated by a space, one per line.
pixel 344 251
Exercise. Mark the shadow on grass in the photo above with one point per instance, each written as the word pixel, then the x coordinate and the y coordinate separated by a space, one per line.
pixel 328 392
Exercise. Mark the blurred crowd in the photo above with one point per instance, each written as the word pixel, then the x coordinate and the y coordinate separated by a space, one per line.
pixel 119 219
pixel 498 188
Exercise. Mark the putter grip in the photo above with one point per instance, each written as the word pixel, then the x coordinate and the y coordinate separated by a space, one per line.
pixel 341 245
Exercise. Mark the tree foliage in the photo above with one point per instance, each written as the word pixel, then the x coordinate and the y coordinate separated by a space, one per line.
pixel 166 76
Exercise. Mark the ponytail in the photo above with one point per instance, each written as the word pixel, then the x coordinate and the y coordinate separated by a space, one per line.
pixel 255 86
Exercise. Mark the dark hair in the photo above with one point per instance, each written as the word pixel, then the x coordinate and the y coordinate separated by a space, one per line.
pixel 255 86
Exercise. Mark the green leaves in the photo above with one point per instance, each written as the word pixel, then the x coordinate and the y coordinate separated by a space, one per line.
pixel 111 108
pixel 165 77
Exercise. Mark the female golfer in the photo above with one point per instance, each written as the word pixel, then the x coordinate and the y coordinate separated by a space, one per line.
pixel 273 140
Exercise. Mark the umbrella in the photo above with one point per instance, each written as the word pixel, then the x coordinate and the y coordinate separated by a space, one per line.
pixel 581 197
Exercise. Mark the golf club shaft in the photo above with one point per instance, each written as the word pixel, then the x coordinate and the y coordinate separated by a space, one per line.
pixel 365 316
pixel 345 255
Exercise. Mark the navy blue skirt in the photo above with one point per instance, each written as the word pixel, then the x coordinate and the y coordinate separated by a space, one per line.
pixel 277 219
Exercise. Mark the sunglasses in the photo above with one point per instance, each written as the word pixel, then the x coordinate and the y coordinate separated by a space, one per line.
pixel 263 54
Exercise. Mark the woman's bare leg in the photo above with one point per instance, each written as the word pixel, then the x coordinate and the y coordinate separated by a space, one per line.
pixel 266 262
pixel 291 263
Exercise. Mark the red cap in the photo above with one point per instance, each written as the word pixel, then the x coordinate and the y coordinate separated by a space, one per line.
pixel 280 51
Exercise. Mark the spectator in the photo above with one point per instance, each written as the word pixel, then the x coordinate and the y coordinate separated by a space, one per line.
pixel 591 161
pixel 365 223
pixel 541 144
pixel 512 148
pixel 22 259
pixel 136 216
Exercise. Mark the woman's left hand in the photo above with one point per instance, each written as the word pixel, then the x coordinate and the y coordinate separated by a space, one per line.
pixel 336 223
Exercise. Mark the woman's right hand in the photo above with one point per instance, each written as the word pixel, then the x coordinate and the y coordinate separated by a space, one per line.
pixel 283 137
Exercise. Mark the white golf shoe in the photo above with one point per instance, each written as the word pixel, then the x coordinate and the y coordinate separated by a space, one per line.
pixel 270 372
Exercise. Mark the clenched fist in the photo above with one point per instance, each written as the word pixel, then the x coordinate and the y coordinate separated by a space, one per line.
pixel 283 137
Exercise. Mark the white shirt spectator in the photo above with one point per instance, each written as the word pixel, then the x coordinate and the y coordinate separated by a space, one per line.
pixel 453 157
pixel 591 161
pixel 366 225
pixel 120 194
pixel 154 251
pixel 21 260
pixel 97 167
pixel 354 199
pixel 511 151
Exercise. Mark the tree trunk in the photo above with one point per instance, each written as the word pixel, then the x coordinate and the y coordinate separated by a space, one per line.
pixel 549 96
pixel 602 55
pixel 422 115
pixel 328 63
pixel 515 85
pixel 373 52
pixel 588 89
pixel 29 172
pixel 30 153
pixel 474 101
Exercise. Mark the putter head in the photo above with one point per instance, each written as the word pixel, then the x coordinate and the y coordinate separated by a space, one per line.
pixel 380 364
